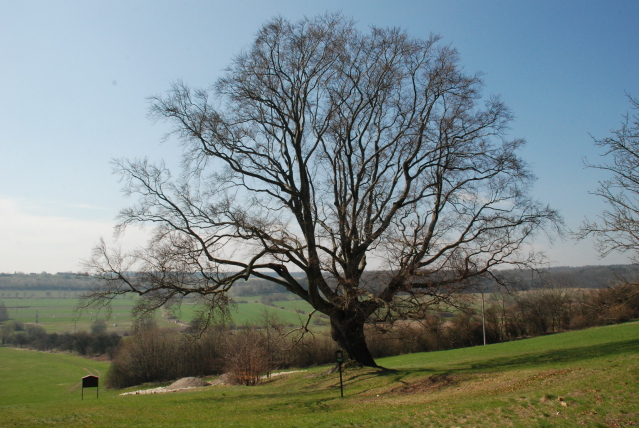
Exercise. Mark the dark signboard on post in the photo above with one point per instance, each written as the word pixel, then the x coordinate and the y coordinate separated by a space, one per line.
pixel 90 382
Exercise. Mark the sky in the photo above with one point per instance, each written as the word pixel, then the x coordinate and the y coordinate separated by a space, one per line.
pixel 75 77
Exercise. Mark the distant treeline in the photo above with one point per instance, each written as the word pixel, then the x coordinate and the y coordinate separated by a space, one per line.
pixel 80 282
pixel 569 277
pixel 566 277
pixel 256 287
pixel 31 336
pixel 509 316
pixel 41 282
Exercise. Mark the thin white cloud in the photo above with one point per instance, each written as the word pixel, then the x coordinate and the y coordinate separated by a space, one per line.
pixel 36 243
pixel 88 207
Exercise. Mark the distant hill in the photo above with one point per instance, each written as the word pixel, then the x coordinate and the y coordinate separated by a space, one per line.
pixel 571 277
pixel 63 281
pixel 563 276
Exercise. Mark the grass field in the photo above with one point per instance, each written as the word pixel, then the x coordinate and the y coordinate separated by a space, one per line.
pixel 253 311
pixel 58 314
pixel 583 378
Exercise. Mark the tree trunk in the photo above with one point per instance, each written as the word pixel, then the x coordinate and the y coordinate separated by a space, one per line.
pixel 348 331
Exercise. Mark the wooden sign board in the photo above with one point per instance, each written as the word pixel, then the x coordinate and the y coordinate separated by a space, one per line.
pixel 90 382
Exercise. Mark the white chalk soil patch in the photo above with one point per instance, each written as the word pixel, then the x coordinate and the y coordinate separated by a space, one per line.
pixel 179 385
pixel 194 382
pixel 283 373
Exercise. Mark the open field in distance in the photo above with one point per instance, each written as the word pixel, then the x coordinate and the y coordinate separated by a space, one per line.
pixel 58 314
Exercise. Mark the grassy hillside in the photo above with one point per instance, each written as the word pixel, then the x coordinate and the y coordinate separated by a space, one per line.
pixel 588 378
pixel 30 379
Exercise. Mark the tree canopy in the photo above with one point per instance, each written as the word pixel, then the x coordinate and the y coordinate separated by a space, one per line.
pixel 369 161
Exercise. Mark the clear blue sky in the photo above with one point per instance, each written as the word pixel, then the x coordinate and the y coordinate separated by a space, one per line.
pixel 75 75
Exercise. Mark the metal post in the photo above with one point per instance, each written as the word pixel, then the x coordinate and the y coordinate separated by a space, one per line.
pixel 339 356
pixel 341 384
pixel 483 316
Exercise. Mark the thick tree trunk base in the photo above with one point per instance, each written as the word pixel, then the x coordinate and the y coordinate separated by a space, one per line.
pixel 349 333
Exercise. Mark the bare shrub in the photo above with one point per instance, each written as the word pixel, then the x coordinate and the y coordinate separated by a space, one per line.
pixel 311 350
pixel 246 357
pixel 148 356
pixel 578 322
pixel 155 355
pixel 464 330
pixel 98 326
pixel 615 304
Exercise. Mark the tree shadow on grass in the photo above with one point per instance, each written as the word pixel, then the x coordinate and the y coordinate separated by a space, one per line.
pixel 571 355
pixel 521 361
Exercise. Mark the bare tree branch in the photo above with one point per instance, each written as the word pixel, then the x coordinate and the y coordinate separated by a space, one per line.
pixel 617 229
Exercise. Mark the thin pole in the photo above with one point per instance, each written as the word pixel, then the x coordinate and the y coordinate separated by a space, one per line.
pixel 341 385
pixel 483 316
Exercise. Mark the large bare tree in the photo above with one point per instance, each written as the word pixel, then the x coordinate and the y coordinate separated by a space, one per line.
pixel 335 153
pixel 617 229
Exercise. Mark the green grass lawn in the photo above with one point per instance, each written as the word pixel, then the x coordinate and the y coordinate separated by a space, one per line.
pixel 583 378
pixel 30 378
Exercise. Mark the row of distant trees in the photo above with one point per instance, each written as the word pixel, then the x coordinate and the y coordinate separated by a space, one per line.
pixel 59 282
pixel 68 285
pixel 95 342
pixel 511 316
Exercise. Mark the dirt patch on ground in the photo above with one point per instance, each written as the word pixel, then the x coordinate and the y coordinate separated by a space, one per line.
pixel 194 382
pixel 282 373
pixel 179 385
pixel 225 379
pixel 188 382
pixel 429 384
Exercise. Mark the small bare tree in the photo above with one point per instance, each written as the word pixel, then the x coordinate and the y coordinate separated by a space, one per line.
pixel 247 357
pixel 370 162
